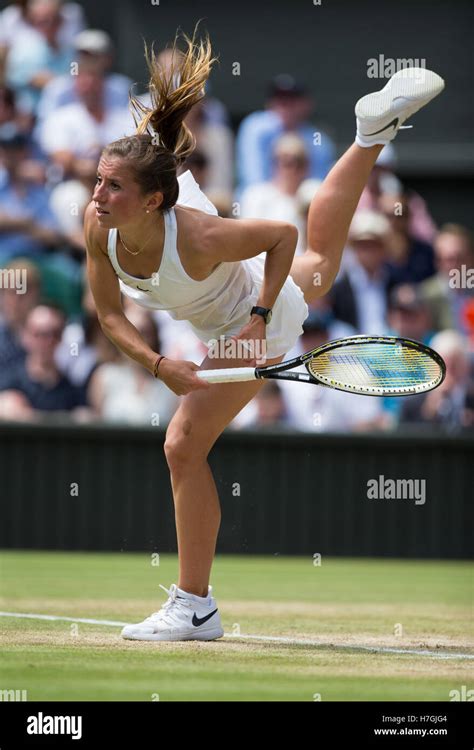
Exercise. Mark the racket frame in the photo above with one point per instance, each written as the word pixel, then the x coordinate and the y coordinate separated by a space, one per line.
pixel 276 371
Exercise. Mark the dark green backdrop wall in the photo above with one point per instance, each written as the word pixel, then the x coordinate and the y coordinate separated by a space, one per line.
pixel 108 489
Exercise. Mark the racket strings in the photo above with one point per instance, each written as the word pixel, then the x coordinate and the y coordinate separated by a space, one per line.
pixel 376 367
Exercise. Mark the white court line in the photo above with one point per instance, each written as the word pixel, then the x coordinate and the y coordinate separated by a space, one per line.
pixel 335 646
pixel 267 638
pixel 65 619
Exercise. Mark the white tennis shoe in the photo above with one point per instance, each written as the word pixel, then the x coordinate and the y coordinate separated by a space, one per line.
pixel 184 617
pixel 380 115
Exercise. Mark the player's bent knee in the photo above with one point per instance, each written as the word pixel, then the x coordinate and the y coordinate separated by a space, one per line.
pixel 184 449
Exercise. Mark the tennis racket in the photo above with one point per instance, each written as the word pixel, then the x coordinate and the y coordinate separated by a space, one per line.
pixel 369 365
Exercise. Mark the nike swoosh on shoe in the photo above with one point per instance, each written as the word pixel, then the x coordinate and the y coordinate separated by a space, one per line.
pixel 393 124
pixel 201 620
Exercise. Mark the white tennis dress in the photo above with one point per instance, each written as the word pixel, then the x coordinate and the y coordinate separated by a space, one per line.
pixel 220 305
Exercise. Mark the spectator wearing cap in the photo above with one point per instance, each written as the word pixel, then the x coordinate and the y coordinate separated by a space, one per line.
pixel 448 300
pixel 91 44
pixel 451 405
pixel 383 181
pixel 409 260
pixel 359 295
pixel 38 379
pixel 289 106
pixel 38 53
pixel 278 199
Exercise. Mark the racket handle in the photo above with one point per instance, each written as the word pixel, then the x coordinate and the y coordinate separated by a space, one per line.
pixel 227 374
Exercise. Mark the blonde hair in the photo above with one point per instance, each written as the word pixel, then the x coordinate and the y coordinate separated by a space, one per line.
pixel 291 144
pixel 174 92
pixel 163 141
pixel 458 230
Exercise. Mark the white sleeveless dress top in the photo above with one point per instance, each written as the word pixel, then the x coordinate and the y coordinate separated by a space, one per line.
pixel 218 306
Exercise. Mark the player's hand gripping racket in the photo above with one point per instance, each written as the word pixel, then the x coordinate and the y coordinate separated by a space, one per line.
pixel 370 365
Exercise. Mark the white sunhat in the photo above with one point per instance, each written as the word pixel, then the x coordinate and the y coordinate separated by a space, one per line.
pixel 93 41
pixel 368 225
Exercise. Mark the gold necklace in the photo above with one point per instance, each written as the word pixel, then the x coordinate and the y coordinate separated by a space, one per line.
pixel 138 251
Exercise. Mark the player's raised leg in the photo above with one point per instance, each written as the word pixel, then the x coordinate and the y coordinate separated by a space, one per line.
pixel 379 117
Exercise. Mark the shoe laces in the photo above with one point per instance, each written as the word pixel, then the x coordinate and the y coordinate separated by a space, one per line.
pixel 169 611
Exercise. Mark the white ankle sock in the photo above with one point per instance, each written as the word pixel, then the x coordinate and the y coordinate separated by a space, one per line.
pixel 193 596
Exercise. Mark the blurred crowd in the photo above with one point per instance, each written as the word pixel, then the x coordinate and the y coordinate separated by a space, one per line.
pixel 60 103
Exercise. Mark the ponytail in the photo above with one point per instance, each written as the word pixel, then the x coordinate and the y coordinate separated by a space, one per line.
pixel 173 93
pixel 163 141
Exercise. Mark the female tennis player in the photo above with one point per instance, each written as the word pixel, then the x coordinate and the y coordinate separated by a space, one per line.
pixel 157 239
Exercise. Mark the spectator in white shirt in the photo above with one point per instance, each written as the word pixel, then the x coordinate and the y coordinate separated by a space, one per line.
pixel 74 136
pixel 90 44
pixel 278 199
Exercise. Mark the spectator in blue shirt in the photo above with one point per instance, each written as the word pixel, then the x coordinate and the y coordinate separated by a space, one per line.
pixel 289 106
pixel 408 317
pixel 27 225
pixel 38 53
pixel 29 229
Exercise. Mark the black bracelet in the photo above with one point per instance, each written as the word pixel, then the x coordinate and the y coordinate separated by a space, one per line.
pixel 157 364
